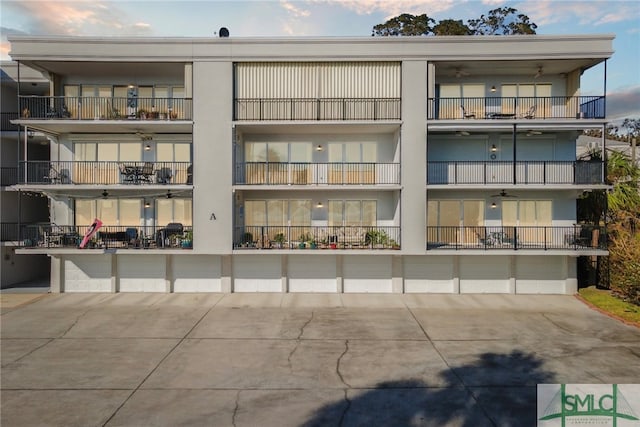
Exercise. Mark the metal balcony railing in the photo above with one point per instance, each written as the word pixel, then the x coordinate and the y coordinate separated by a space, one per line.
pixel 8 176
pixel 108 173
pixel 268 173
pixel 5 122
pixel 317 109
pixel 551 107
pixel 520 172
pixel 316 237
pixel 104 108
pixel 520 237
pixel 170 236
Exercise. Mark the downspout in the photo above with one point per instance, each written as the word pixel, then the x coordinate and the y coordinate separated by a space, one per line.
pixel 604 108
pixel 514 154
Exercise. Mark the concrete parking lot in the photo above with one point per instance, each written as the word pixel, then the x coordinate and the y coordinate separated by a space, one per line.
pixel 300 359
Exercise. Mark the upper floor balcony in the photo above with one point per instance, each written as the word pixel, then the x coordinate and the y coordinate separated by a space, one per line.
pixel 104 108
pixel 517 108
pixel 105 173
pixel 316 109
pixel 529 172
pixel 278 173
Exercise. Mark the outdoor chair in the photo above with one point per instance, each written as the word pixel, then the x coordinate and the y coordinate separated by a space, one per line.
pixel 466 114
pixel 530 114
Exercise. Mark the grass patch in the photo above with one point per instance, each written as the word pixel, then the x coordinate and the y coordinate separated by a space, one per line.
pixel 605 301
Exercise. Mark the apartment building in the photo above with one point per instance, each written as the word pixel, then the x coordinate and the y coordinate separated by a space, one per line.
pixel 19 209
pixel 426 164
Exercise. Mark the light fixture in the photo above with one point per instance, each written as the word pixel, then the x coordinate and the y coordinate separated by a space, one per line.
pixel 319 148
pixel 319 205
pixel 494 148
pixel 169 195
pixel 105 194
pixel 493 205
pixel 147 147
pixel 147 204
pixel 493 89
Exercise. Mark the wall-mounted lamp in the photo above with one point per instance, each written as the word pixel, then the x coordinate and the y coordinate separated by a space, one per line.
pixel 147 204
pixel 319 205
pixel 493 89
pixel 319 148
pixel 494 148
pixel 493 205
pixel 147 147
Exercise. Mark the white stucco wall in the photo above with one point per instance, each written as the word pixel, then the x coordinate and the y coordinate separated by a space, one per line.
pixel 427 274
pixel 196 273
pixel 87 273
pixel 257 273
pixel 142 273
pixel 367 274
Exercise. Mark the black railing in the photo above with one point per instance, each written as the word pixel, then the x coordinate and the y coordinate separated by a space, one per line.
pixel 8 176
pixel 268 173
pixel 5 122
pixel 170 236
pixel 520 237
pixel 551 107
pixel 104 108
pixel 525 172
pixel 317 109
pixel 90 172
pixel 317 237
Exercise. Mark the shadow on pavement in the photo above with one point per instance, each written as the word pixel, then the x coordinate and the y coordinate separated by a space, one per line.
pixel 496 389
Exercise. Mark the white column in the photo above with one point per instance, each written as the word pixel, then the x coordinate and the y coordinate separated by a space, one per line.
pixel 456 274
pixel 284 272
pixel 226 279
pixel 115 277
pixel 571 268
pixel 339 281
pixel 397 281
pixel 512 274
pixel 57 274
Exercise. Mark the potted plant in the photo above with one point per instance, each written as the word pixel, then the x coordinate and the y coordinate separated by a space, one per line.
pixel 377 238
pixel 304 238
pixel 247 239
pixel 279 239
pixel 187 242
pixel 313 244
pixel 141 114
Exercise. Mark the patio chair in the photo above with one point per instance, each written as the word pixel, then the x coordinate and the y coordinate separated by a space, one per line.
pixel 145 173
pixel 530 114
pixel 467 115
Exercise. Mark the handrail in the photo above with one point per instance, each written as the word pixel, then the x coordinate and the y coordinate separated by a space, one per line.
pixel 307 173
pixel 496 107
pixel 577 237
pixel 526 172
pixel 51 236
pixel 317 109
pixel 104 108
pixel 316 237
pixel 105 172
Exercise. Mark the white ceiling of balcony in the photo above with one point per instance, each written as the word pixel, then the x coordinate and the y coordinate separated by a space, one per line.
pixel 58 127
pixel 114 70
pixel 469 69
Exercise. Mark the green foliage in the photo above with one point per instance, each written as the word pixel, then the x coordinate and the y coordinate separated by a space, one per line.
pixel 405 25
pixel 624 258
pixel 279 238
pixel 500 21
pixel 376 237
pixel 604 300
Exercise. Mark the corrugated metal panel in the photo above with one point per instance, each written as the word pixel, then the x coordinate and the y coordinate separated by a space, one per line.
pixel 318 80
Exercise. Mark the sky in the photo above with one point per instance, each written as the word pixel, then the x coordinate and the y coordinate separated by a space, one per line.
pixel 299 18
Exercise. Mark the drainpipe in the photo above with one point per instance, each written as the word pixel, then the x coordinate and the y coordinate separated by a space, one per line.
pixel 514 155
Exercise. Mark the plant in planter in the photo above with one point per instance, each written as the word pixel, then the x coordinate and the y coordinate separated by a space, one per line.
pixel 142 114
pixel 304 239
pixel 376 238
pixel 279 239
pixel 247 240
pixel 187 241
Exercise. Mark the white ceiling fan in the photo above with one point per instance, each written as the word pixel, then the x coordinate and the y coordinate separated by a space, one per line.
pixel 461 73
pixel 539 73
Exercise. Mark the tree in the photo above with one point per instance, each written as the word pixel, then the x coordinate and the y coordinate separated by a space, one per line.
pixel 451 27
pixel 405 25
pixel 504 20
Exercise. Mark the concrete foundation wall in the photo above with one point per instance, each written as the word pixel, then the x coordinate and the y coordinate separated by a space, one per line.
pixel 318 272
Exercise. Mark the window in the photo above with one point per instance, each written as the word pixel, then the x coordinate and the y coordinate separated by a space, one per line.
pixel 525 95
pixel 352 163
pixel 278 212
pixel 277 157
pixel 173 210
pixel 532 216
pixel 454 220
pixel 112 212
pixel 469 95
pixel 352 213
pixel 97 162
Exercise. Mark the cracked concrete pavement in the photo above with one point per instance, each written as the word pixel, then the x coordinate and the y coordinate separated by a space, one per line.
pixel 300 359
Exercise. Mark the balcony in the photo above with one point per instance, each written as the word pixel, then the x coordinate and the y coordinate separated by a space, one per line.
pixel 8 176
pixel 575 238
pixel 105 172
pixel 516 173
pixel 317 109
pixel 316 237
pixel 5 122
pixel 538 108
pixel 51 236
pixel 267 173
pixel 108 108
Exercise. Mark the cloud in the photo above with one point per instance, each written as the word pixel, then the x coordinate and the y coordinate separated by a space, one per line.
pixel 5 46
pixel 293 10
pixel 394 8
pixel 593 13
pixel 625 102
pixel 74 17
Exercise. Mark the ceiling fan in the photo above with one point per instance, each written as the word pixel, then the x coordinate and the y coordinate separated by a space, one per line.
pixel 533 132
pixel 539 73
pixel 503 194
pixel 461 73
